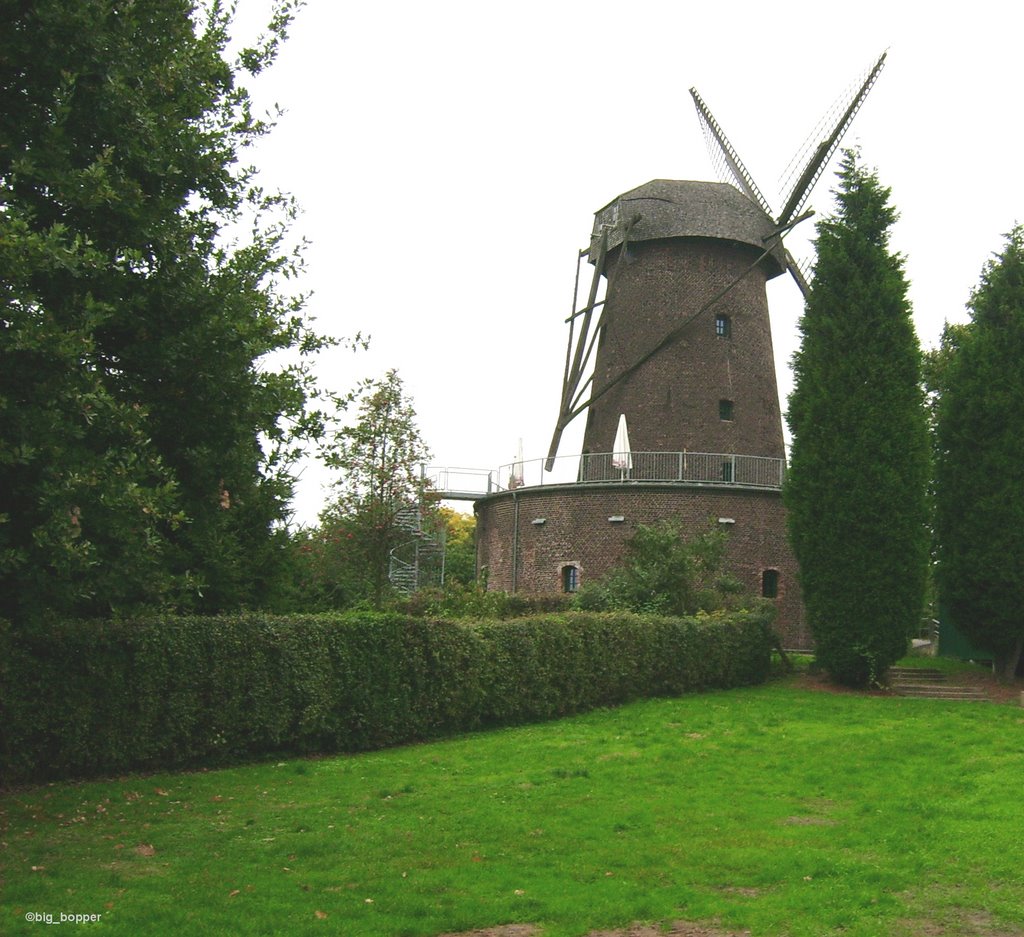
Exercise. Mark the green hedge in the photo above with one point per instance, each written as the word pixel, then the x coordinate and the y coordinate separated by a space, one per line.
pixel 90 698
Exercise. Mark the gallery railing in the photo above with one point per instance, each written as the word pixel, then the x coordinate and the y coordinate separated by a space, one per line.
pixel 695 468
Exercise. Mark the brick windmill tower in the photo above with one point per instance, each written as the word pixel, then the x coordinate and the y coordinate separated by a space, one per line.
pixel 672 338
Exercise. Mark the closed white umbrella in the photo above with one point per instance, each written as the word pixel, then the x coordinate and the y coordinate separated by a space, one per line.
pixel 622 458
pixel 518 471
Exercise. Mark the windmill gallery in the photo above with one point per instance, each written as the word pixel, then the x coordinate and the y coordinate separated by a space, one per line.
pixel 670 358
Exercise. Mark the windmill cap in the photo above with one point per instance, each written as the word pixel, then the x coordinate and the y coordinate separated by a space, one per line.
pixel 671 208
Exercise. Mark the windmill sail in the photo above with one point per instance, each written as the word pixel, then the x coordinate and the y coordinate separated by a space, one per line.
pixel 804 185
pixel 723 154
pixel 725 157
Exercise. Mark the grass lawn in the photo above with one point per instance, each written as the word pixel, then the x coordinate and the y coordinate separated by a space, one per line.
pixel 775 810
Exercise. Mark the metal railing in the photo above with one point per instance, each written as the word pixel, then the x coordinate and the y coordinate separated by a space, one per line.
pixel 460 482
pixel 693 468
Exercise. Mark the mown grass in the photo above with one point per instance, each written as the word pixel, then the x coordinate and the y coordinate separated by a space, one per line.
pixel 772 809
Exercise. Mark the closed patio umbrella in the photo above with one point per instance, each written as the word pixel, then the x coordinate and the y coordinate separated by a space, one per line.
pixel 622 458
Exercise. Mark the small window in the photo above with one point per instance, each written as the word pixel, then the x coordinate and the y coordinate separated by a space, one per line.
pixel 570 578
pixel 723 326
pixel 770 584
pixel 727 470
pixel 725 410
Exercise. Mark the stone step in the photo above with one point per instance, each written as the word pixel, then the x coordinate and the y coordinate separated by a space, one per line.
pixel 916 673
pixel 943 691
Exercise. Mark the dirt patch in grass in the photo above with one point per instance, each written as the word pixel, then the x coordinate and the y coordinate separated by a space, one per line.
pixel 973 923
pixel 678 929
pixel 505 930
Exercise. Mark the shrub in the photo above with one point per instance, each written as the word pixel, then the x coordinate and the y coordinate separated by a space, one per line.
pixel 456 600
pixel 664 574
pixel 86 697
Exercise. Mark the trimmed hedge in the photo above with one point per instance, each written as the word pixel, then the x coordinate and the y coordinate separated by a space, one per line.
pixel 91 698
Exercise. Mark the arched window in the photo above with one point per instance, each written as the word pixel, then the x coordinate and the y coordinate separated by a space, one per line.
pixel 570 578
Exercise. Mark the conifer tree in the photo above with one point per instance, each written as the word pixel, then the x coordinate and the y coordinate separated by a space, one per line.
pixel 856 489
pixel 980 463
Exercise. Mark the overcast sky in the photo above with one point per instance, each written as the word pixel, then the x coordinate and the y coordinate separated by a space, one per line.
pixel 449 157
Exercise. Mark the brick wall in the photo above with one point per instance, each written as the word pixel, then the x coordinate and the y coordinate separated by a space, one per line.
pixel 671 402
pixel 523 555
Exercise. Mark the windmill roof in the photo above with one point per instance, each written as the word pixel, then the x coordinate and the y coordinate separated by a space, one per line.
pixel 670 208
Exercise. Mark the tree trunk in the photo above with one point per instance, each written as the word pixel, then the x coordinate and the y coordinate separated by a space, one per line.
pixel 1006 665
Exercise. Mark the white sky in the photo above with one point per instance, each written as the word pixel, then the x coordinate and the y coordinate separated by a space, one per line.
pixel 449 157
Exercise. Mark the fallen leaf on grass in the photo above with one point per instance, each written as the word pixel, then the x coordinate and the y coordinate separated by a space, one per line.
pixel 160 791
pixel 39 868
pixel 237 891
pixel 145 849
pixel 320 915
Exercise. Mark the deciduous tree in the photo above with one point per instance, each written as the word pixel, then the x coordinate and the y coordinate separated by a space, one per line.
pixel 144 440
pixel 980 462
pixel 856 488
pixel 380 491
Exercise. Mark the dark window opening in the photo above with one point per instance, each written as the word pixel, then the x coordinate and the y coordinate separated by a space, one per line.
pixel 570 578
pixel 770 584
pixel 725 410
pixel 723 326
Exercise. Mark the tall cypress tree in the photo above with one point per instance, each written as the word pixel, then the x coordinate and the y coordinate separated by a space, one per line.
pixel 856 490
pixel 980 463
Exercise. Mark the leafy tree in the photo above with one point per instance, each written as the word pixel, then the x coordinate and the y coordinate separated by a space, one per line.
pixel 980 462
pixel 145 443
pixel 666 574
pixel 856 489
pixel 381 489
pixel 328 565
pixel 460 546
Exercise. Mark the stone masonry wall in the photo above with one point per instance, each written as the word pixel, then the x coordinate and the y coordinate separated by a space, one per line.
pixel 521 554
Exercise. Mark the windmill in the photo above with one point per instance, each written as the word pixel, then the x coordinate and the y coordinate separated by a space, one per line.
pixel 672 336
pixel 682 267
